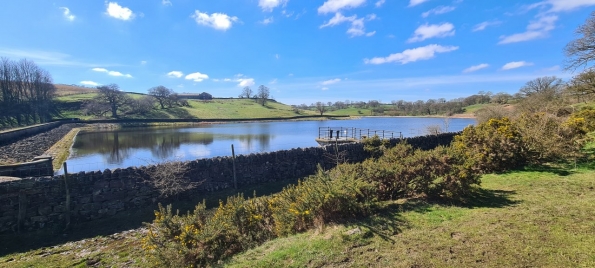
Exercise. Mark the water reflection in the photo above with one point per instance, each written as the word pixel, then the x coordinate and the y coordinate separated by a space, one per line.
pixel 98 150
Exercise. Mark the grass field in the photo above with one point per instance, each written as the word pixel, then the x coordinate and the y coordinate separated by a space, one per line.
pixel 538 218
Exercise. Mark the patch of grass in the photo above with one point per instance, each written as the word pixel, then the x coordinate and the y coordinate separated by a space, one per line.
pixel 525 218
pixel 534 217
pixel 61 149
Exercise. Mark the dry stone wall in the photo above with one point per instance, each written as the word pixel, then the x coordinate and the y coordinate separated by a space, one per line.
pixel 48 202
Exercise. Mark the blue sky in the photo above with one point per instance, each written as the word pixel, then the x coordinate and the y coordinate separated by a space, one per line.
pixel 304 51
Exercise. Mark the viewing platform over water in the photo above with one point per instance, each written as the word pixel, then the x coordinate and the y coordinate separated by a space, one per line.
pixel 330 135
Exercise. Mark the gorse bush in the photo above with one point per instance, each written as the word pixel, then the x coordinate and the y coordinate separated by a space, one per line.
pixel 403 172
pixel 204 237
pixel 492 146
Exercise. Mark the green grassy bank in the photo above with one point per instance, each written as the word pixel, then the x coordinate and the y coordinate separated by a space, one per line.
pixel 541 218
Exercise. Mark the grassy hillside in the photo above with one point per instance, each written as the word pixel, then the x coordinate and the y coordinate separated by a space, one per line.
pixel 538 218
pixel 70 106
pixel 64 90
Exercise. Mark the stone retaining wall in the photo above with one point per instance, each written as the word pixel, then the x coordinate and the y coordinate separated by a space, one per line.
pixel 36 203
pixel 17 134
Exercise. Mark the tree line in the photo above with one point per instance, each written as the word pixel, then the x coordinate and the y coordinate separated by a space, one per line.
pixel 26 93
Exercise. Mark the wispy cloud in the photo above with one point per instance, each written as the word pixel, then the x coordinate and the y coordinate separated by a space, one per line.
pixel 357 27
pixel 218 21
pixel 413 3
pixel 331 6
pixel 536 29
pixel 90 83
pixel 269 5
pixel 114 10
pixel 482 26
pixel 438 10
pixel 67 14
pixel 516 64
pixel 476 68
pixel 379 3
pixel 111 73
pixel 567 5
pixel 267 21
pixel 196 77
pixel 427 31
pixel 245 82
pixel 330 82
pixel 175 74
pixel 412 55
pixel 46 57
pixel 166 2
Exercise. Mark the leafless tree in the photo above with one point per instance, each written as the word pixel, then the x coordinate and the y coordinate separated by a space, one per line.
pixel 583 85
pixel 112 95
pixel 582 50
pixel 263 94
pixel 170 178
pixel 546 84
pixel 320 107
pixel 161 94
pixel 246 93
pixel 26 93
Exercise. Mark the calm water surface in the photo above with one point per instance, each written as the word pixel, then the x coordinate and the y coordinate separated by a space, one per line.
pixel 98 150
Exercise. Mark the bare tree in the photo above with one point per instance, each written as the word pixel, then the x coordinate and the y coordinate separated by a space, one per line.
pixel 546 84
pixel 320 107
pixel 263 94
pixel 161 94
pixel 170 178
pixel 246 93
pixel 112 95
pixel 582 50
pixel 583 85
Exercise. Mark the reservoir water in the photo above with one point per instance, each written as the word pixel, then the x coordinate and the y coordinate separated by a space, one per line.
pixel 110 149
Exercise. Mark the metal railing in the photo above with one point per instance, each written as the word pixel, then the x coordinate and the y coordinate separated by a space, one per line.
pixel 344 133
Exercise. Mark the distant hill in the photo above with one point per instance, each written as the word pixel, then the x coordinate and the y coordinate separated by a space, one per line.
pixel 64 90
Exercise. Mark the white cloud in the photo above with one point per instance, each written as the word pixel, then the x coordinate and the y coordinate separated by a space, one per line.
pixel 196 77
pixel 245 82
pixel 227 80
pixel 112 73
pixel 516 64
pixel 380 3
pixel 476 68
pixel 370 33
pixel 90 83
pixel 426 31
pixel 67 15
pixel 166 2
pixel 269 5
pixel 330 82
pixel 438 10
pixel 175 74
pixel 324 88
pixel 116 11
pixel 357 28
pixel 218 21
pixel 416 2
pixel 331 6
pixel 274 81
pixel 143 62
pixel 536 29
pixel 412 55
pixel 482 26
pixel 267 21
pixel 567 5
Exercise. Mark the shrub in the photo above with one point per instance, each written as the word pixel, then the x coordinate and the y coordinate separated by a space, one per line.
pixel 205 237
pixel 407 172
pixel 493 146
